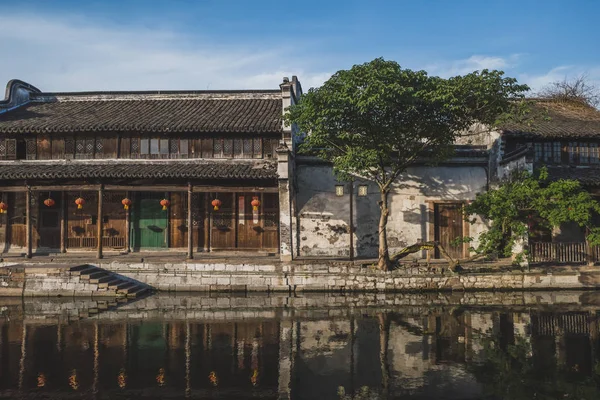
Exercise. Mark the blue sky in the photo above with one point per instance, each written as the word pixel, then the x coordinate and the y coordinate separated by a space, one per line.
pixel 226 44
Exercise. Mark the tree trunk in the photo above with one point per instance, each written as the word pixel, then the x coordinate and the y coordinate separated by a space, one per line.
pixel 384 336
pixel 384 255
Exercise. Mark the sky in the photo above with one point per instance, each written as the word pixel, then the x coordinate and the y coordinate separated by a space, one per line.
pixel 75 45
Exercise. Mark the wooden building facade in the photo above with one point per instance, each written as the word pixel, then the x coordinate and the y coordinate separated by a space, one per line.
pixel 134 171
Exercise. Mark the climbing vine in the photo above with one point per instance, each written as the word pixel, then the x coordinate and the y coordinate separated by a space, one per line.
pixel 526 200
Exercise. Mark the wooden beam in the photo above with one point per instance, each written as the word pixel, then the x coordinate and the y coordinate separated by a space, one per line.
pixel 128 224
pixel 63 222
pixel 227 189
pixel 99 222
pixel 206 222
pixel 190 223
pixel 28 223
pixel 143 188
pixel 58 188
pixel 147 188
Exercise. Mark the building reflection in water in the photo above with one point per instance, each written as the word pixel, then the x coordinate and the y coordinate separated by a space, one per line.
pixel 425 355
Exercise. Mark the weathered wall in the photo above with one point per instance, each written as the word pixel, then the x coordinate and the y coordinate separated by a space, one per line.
pixel 282 277
pixel 324 218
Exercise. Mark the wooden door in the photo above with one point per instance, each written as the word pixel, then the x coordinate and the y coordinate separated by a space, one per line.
pixel 222 234
pixel 448 227
pixel 249 222
pixel 49 221
pixel 149 222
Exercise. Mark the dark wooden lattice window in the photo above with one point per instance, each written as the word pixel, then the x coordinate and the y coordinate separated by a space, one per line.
pixel 593 153
pixel 556 152
pixel 164 148
pixel 207 148
pixel 134 147
pixel 183 148
pixel 583 153
pixel 257 148
pixel 99 148
pixel 11 149
pixel 69 148
pixel 228 148
pixel 247 148
pixel 31 149
pixel 2 149
pixel 237 148
pixel 174 148
pixel 218 148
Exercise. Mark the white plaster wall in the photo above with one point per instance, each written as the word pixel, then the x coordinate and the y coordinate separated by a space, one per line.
pixel 323 217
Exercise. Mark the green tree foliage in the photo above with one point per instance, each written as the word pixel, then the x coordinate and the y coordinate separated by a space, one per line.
pixel 376 119
pixel 511 373
pixel 525 199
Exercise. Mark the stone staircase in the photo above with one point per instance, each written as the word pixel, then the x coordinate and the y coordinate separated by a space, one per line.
pixel 108 283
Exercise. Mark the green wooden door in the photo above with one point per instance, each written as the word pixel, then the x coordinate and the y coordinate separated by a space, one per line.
pixel 149 222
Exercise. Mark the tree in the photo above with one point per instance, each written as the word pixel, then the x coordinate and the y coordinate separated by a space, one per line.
pixel 376 119
pixel 525 199
pixel 578 89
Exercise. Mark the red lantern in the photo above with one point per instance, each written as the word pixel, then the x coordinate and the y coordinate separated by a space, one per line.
pixel 80 201
pixel 3 207
pixel 49 202
pixel 126 203
pixel 165 203
pixel 216 203
pixel 255 203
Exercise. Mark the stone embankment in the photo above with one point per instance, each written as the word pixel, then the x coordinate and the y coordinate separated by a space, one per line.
pixel 33 279
pixel 62 280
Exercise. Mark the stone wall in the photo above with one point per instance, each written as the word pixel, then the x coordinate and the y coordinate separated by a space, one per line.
pixel 324 218
pixel 290 278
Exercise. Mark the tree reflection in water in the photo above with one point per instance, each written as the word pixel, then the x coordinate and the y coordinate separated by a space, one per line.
pixel 511 371
pixel 354 348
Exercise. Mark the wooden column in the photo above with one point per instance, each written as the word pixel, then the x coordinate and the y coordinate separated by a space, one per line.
pixel 128 224
pixel 63 222
pixel 190 223
pixel 28 222
pixel 206 222
pixel 99 222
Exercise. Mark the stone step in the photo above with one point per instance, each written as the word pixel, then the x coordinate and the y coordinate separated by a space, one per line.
pixel 84 271
pixel 137 291
pixel 96 274
pixel 113 282
pixel 102 279
pixel 103 305
pixel 123 285
pixel 129 289
pixel 79 267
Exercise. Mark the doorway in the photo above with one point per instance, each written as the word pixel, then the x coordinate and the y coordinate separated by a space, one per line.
pixel 149 222
pixel 448 227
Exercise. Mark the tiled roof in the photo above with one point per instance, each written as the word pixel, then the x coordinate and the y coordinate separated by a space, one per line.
pixel 555 119
pixel 138 170
pixel 235 113
pixel 588 176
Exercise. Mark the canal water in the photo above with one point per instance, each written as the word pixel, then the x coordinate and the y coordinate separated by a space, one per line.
pixel 414 346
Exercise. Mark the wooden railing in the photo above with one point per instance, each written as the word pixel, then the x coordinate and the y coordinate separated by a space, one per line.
pixel 91 242
pixel 563 253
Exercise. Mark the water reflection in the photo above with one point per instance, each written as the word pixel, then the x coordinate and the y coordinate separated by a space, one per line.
pixel 520 346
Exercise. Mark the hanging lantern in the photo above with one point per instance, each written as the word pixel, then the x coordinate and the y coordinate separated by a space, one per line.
pixel 255 203
pixel 3 207
pixel 49 202
pixel 80 201
pixel 165 203
pixel 216 203
pixel 126 203
pixel 212 377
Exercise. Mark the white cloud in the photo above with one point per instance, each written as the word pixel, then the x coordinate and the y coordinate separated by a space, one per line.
pixel 474 63
pixel 73 54
pixel 538 81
